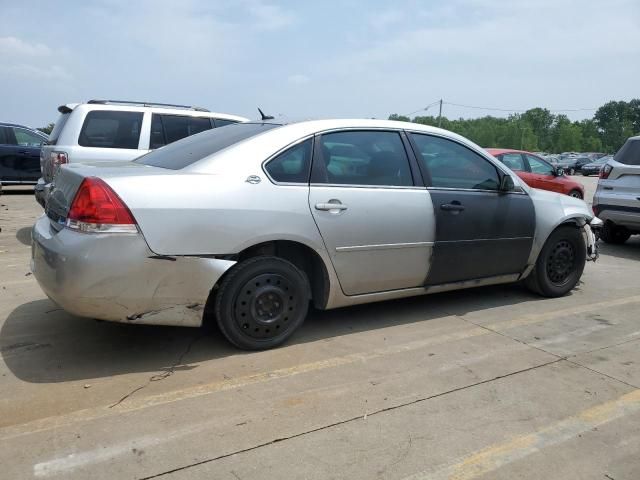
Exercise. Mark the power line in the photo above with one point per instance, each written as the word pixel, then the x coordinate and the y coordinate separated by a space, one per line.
pixel 516 110
pixel 423 109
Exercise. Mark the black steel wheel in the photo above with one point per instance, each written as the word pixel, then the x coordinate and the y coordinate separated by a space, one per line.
pixel 261 302
pixel 560 263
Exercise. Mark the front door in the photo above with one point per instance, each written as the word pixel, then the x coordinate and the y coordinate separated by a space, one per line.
pixel 544 173
pixel 376 223
pixel 480 231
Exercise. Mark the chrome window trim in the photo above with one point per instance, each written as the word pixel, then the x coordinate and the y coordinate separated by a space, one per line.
pixel 264 163
pixel 386 187
pixel 384 246
pixel 515 192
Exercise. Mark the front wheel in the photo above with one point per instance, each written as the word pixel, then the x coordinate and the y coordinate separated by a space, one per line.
pixel 560 263
pixel 575 194
pixel 261 302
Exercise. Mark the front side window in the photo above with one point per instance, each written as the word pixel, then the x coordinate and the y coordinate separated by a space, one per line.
pixel 26 138
pixel 111 129
pixel 375 158
pixel 293 165
pixel 514 161
pixel 452 165
pixel 538 166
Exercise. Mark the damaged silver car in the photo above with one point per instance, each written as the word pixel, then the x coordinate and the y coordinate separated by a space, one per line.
pixel 259 220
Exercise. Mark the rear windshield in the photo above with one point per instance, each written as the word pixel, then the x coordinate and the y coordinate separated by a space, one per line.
pixel 189 150
pixel 111 129
pixel 629 154
pixel 55 133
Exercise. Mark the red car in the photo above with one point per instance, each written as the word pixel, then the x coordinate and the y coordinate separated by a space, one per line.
pixel 536 172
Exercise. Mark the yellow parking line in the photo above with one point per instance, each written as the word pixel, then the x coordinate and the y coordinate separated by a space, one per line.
pixel 501 454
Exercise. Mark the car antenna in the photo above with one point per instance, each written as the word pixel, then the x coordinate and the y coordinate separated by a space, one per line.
pixel 263 116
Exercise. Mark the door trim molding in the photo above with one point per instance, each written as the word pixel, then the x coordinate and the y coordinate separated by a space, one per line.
pixel 384 246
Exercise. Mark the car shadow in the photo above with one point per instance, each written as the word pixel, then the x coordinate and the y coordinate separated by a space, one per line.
pixel 40 343
pixel 630 250
pixel 24 235
pixel 17 190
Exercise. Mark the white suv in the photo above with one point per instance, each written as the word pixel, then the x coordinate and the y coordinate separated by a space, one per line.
pixel 115 130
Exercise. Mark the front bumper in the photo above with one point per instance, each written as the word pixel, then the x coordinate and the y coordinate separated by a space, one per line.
pixel 116 277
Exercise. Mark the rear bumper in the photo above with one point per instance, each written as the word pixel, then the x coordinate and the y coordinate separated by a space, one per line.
pixel 116 277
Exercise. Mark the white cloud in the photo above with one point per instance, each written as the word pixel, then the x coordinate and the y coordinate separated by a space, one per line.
pixel 13 46
pixel 33 72
pixel 386 18
pixel 269 17
pixel 298 79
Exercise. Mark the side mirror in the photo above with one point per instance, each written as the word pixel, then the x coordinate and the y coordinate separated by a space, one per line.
pixel 507 184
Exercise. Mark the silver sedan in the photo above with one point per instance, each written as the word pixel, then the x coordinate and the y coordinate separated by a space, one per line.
pixel 257 220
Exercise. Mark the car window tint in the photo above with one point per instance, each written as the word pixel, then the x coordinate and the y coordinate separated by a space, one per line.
pixel 177 127
pixel 629 153
pixel 514 161
pixel 26 138
pixel 156 135
pixel 4 137
pixel 452 165
pixel 220 122
pixel 293 165
pixel 111 129
pixel 365 158
pixel 538 166
pixel 189 150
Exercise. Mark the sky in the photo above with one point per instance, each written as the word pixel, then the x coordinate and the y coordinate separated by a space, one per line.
pixel 303 59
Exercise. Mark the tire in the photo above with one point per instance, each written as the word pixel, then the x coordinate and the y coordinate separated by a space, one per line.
pixel 560 263
pixel 575 194
pixel 613 234
pixel 261 302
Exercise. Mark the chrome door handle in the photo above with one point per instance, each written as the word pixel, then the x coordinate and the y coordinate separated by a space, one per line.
pixel 452 207
pixel 330 206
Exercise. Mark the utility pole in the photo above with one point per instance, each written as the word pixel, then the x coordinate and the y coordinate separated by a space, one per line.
pixel 440 114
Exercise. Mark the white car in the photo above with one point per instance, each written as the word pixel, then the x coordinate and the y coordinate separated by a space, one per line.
pixel 115 130
pixel 259 219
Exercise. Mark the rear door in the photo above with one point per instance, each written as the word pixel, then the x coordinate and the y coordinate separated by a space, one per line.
pixel 376 222
pixel 9 171
pixel 28 154
pixel 480 231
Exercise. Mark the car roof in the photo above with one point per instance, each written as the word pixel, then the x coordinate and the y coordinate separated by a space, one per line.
pixel 155 108
pixel 498 151
pixel 6 124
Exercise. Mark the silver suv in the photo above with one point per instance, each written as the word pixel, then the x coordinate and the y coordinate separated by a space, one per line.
pixel 117 130
pixel 617 199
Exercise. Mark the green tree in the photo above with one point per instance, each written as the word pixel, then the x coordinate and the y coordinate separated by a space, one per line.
pixel 47 129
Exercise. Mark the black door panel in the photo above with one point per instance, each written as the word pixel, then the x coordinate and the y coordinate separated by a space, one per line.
pixel 480 234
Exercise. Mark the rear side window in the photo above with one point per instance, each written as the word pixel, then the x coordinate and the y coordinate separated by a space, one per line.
pixel 374 158
pixel 222 122
pixel 4 136
pixel 111 129
pixel 514 161
pixel 293 165
pixel 452 165
pixel 57 128
pixel 169 128
pixel 538 166
pixel 629 154
pixel 192 149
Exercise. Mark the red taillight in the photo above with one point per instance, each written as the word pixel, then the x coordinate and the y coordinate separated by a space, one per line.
pixel 59 158
pixel 97 208
pixel 606 171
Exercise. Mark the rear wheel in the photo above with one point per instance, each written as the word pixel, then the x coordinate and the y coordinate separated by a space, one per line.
pixel 575 194
pixel 611 233
pixel 261 302
pixel 560 263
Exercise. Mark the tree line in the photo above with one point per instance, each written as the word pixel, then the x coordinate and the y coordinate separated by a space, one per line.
pixel 538 129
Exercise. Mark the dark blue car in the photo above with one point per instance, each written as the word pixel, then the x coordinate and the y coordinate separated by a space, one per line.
pixel 20 154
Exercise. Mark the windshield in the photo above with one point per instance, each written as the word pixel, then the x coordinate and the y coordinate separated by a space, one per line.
pixel 187 151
